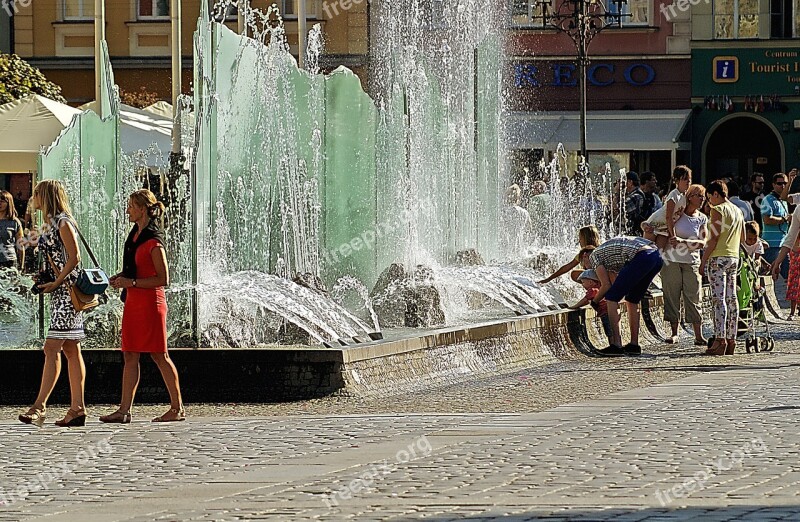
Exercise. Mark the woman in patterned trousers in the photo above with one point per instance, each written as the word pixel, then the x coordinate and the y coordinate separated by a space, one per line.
pixel 721 257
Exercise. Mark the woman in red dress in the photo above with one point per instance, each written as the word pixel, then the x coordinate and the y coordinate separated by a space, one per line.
pixel 144 319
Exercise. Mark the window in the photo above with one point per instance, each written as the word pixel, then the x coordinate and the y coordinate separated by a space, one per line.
pixel 221 12
pixel 530 13
pixel 634 12
pixel 735 19
pixel 153 9
pixel 291 8
pixel 78 9
pixel 784 18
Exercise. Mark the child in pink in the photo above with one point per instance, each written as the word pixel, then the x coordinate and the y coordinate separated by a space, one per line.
pixel 591 283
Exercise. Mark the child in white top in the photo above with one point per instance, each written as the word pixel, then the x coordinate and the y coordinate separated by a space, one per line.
pixel 754 245
pixel 659 227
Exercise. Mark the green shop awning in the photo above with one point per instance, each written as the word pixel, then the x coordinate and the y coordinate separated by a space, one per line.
pixel 605 130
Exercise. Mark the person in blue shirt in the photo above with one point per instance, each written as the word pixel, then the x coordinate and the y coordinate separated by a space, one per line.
pixel 775 214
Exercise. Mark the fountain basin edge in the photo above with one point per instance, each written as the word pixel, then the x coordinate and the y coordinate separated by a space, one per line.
pixel 387 367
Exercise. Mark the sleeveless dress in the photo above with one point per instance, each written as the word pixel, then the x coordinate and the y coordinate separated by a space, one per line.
pixel 65 322
pixel 144 319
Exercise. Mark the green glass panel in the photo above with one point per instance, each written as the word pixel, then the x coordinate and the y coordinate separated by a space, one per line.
pixel 350 178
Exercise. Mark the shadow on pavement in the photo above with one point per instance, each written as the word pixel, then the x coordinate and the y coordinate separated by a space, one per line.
pixel 752 513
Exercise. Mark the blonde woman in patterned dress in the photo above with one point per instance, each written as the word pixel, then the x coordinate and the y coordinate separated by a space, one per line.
pixel 58 242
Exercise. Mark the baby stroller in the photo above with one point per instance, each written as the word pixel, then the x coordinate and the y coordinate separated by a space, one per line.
pixel 751 296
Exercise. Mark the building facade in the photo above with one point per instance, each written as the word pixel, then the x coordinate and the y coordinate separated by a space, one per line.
pixel 58 37
pixel 745 87
pixel 638 89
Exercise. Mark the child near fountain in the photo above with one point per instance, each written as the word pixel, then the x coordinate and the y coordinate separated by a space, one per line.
pixel 658 227
pixel 588 239
pixel 591 283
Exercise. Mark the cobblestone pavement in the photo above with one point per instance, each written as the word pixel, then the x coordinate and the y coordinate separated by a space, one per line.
pixel 716 440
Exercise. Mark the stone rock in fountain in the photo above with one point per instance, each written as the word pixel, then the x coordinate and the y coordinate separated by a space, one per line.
pixel 312 282
pixel 469 257
pixel 388 296
pixel 403 299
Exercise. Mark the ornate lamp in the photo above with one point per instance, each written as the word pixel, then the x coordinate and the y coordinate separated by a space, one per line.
pixel 581 20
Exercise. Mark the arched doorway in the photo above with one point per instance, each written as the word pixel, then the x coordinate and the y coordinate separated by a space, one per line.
pixel 739 145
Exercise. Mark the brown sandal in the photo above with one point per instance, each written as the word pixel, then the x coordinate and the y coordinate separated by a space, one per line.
pixel 77 418
pixel 33 416
pixel 118 417
pixel 718 348
pixel 180 415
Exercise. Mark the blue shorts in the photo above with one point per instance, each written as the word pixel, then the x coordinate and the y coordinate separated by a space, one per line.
pixel 634 278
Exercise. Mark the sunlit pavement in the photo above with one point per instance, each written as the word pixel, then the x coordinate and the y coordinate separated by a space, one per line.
pixel 718 445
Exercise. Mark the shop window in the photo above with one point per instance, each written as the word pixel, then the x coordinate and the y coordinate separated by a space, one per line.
pixel 784 18
pixel 78 9
pixel 735 19
pixel 531 13
pixel 153 9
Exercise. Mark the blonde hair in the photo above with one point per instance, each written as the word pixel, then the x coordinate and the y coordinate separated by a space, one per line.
pixel 52 198
pixel 145 199
pixel 589 236
pixel 11 211
pixel 513 195
pixel 696 188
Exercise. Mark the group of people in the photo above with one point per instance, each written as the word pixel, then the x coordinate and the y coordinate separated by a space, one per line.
pixel 143 278
pixel 694 231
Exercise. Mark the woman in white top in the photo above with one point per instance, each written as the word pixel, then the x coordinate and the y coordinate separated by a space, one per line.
pixel 515 222
pixel 681 273
pixel 660 226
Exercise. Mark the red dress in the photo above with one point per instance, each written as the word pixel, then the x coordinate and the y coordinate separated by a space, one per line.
pixel 793 283
pixel 144 319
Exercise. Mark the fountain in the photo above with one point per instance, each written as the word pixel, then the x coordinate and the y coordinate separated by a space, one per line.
pixel 292 171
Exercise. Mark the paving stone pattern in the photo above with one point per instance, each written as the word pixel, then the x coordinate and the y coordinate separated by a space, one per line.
pixel 602 459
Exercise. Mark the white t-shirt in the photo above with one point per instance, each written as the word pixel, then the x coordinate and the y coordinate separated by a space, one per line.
pixel 687 227
pixel 752 250
pixel 794 230
pixel 659 217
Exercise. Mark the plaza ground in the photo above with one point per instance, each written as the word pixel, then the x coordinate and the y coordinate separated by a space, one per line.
pixel 673 435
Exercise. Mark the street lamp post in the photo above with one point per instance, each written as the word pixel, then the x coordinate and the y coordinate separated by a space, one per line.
pixel 581 20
